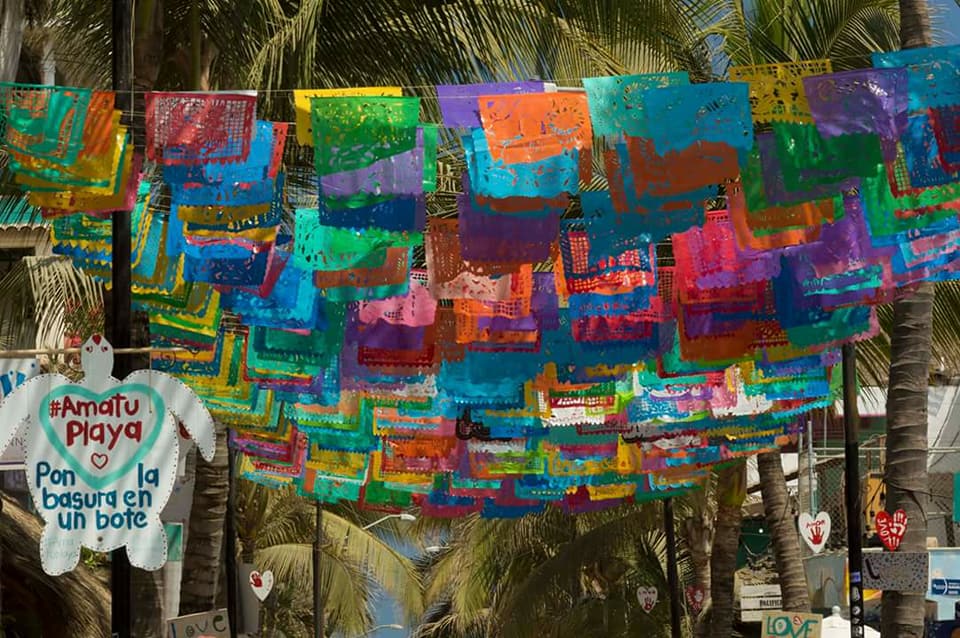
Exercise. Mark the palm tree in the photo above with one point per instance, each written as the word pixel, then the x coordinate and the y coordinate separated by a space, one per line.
pixel 36 604
pixel 766 31
pixel 698 534
pixel 731 492
pixel 275 528
pixel 550 574
pixel 204 538
pixel 905 472
pixel 783 533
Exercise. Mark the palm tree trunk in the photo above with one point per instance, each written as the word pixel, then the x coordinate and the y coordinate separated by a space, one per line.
pixel 12 17
pixel 201 559
pixel 905 473
pixel 783 533
pixel 731 492
pixel 914 24
pixel 698 534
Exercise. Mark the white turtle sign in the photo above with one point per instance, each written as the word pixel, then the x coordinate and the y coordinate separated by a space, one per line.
pixel 102 456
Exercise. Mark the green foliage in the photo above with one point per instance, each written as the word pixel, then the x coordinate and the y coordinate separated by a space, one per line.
pixel 763 31
pixel 550 574
pixel 43 299
pixel 276 531
pixel 92 559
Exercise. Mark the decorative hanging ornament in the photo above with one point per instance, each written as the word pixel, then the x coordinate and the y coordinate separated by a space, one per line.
pixel 815 530
pixel 647 596
pixel 695 596
pixel 102 456
pixel 891 528
pixel 261 583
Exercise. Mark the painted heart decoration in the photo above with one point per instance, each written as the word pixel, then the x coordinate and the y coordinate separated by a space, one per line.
pixel 695 596
pixel 102 435
pixel 261 583
pixel 647 597
pixel 891 528
pixel 814 531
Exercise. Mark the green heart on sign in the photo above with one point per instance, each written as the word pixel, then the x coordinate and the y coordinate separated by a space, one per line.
pixel 55 437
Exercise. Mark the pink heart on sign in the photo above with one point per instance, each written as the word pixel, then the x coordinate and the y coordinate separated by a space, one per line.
pixel 891 528
pixel 99 460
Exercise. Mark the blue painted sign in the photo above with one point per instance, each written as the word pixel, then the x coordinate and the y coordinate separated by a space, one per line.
pixel 945 586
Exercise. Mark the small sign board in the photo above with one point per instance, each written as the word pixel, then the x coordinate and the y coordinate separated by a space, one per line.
pixel 896 571
pixel 790 624
pixel 210 624
pixel 945 587
pixel 755 599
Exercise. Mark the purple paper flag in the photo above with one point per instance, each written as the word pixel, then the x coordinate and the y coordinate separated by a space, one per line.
pixel 459 104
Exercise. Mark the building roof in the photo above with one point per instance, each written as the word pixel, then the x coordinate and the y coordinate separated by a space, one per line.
pixel 943 422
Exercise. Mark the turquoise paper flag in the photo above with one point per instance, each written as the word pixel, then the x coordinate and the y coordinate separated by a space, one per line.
pixel 956 498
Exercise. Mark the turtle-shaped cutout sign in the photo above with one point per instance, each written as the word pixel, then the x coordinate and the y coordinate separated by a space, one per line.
pixel 102 456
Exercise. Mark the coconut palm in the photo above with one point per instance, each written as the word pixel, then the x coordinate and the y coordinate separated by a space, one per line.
pixel 550 574
pixel 905 472
pixel 731 492
pixel 275 529
pixel 36 604
pixel 845 31
pixel 783 533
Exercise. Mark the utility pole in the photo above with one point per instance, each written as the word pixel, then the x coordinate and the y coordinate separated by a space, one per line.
pixel 230 539
pixel 673 582
pixel 318 629
pixel 851 475
pixel 119 324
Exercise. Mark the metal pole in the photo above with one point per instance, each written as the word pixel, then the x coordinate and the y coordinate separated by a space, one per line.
pixel 672 581
pixel 318 631
pixel 851 428
pixel 230 530
pixel 120 310
pixel 811 468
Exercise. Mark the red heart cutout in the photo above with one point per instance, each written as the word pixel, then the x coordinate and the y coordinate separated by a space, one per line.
pixel 891 528
pixel 695 598
pixel 99 460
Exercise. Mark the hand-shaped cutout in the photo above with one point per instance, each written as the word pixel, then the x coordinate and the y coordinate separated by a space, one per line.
pixel 815 531
pixel 891 528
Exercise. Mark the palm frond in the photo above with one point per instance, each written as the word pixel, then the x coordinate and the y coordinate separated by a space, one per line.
pixel 846 31
pixel 344 586
pixel 43 298
pixel 393 571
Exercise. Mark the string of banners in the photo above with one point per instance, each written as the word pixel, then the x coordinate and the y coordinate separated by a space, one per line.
pixel 548 344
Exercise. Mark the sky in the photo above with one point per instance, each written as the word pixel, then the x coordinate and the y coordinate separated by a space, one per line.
pixel 948 20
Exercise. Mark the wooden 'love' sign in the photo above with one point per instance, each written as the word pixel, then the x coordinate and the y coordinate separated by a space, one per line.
pixel 209 624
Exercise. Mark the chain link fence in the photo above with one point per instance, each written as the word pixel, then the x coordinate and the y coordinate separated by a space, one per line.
pixel 826 492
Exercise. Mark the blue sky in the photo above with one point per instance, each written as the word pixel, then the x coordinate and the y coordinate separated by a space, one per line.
pixel 948 20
